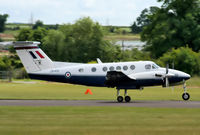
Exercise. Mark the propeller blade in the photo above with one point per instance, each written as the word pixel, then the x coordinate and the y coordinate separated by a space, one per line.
pixel 173 68
pixel 172 89
pixel 173 65
pixel 166 82
pixel 167 69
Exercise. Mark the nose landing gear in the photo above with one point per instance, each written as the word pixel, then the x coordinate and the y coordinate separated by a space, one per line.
pixel 185 96
pixel 120 98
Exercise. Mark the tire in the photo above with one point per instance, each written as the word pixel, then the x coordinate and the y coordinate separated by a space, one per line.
pixel 186 96
pixel 120 99
pixel 127 99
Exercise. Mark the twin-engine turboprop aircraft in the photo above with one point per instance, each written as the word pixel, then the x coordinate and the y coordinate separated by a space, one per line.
pixel 122 75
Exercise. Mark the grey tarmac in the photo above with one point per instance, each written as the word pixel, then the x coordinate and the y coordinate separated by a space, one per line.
pixel 138 103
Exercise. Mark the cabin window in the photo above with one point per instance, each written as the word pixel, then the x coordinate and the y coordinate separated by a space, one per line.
pixel 105 69
pixel 94 69
pixel 118 68
pixel 125 68
pixel 112 68
pixel 132 67
pixel 81 70
pixel 148 66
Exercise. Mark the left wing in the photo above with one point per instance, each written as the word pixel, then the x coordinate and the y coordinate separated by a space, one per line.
pixel 114 78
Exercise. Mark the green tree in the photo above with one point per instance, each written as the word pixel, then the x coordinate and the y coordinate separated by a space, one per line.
pixel 27 34
pixel 38 34
pixel 174 25
pixel 24 34
pixel 53 45
pixel 184 59
pixel 3 19
pixel 84 41
pixel 135 28
pixel 143 20
pixel 37 24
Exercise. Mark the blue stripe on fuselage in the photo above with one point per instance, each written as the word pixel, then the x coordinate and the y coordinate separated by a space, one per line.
pixel 99 81
pixel 82 80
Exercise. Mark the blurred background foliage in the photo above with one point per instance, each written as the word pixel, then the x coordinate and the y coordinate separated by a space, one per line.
pixel 171 33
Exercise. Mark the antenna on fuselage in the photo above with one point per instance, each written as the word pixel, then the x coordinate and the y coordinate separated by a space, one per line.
pixel 99 61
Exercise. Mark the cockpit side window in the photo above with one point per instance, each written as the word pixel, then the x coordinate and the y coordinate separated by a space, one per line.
pixel 153 66
pixel 148 66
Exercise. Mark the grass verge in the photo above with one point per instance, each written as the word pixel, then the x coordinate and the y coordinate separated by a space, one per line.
pixel 46 90
pixel 98 121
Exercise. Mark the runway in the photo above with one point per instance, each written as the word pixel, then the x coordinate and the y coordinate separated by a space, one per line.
pixel 156 104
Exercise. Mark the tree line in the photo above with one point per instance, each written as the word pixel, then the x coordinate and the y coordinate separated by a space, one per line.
pixel 82 41
pixel 171 33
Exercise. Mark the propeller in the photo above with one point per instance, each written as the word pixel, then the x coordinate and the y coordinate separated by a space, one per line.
pixel 173 68
pixel 166 76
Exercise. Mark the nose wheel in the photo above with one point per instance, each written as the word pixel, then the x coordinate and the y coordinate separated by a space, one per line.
pixel 120 98
pixel 185 96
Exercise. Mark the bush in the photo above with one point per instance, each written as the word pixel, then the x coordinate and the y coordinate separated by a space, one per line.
pixel 10 62
pixel 184 59
pixel 5 63
pixel 24 34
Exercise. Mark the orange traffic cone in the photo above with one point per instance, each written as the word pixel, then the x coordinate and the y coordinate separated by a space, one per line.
pixel 88 91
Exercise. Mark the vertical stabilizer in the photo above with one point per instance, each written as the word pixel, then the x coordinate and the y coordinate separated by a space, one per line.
pixel 32 57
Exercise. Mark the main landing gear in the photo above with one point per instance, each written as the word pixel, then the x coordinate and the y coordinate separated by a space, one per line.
pixel 185 96
pixel 120 98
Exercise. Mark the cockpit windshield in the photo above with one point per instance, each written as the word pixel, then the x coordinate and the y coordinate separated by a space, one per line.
pixel 155 66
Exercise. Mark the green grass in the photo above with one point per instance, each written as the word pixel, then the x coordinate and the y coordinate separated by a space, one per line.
pixel 11 25
pixel 194 82
pixel 12 32
pixel 45 90
pixel 98 121
pixel 95 120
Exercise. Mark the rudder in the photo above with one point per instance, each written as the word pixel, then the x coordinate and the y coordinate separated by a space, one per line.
pixel 32 57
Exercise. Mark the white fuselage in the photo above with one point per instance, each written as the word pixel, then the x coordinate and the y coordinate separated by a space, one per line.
pixel 95 74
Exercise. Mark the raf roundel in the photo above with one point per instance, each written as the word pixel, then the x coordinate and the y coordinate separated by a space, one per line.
pixel 67 74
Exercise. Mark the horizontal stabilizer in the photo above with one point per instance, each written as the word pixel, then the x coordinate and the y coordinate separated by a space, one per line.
pixel 32 57
pixel 19 43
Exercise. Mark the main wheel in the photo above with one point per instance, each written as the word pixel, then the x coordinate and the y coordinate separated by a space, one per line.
pixel 127 99
pixel 120 99
pixel 186 96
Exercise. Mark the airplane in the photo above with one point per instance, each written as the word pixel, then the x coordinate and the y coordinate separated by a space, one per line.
pixel 121 75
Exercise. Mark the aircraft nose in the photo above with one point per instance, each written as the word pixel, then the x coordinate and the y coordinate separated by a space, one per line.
pixel 186 76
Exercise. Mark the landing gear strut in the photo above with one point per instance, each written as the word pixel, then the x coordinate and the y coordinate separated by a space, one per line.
pixel 185 96
pixel 120 98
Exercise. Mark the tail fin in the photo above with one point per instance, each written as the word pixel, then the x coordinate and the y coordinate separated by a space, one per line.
pixel 32 57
